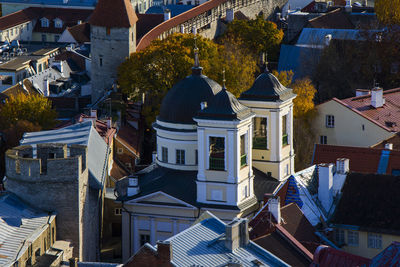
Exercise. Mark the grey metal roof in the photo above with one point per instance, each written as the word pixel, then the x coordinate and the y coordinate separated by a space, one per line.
pixel 316 36
pixel 224 106
pixel 203 245
pixel 82 134
pixel 19 224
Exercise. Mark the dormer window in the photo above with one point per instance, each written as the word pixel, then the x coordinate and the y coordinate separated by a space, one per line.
pixel 58 23
pixel 44 22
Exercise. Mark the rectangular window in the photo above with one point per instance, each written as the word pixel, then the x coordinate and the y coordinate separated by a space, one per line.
pixel 164 151
pixel 374 241
pixel 352 238
pixel 144 239
pixel 323 139
pixel 118 211
pixel 285 139
pixel 120 150
pixel 260 133
pixel 101 62
pixel 180 156
pixel 330 121
pixel 245 192
pixel 243 151
pixel 196 157
pixel 339 236
pixel 217 153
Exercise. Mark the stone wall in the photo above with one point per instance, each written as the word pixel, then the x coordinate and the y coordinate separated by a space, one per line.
pixel 109 48
pixel 56 183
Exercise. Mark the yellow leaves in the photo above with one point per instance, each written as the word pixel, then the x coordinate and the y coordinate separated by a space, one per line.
pixel 32 108
pixel 304 102
pixel 388 11
pixel 285 77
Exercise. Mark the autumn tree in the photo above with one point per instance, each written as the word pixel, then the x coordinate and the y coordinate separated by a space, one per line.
pixel 304 112
pixel 31 108
pixel 256 36
pixel 388 11
pixel 154 70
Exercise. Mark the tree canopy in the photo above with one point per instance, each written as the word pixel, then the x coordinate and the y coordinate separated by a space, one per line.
pixel 388 11
pixel 257 36
pixel 154 70
pixel 31 108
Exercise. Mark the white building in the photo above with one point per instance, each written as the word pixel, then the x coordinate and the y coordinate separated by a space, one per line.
pixel 206 158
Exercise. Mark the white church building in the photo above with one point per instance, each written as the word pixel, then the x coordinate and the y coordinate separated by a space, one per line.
pixel 214 152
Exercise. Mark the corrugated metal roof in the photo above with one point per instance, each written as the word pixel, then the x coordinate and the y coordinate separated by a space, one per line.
pixel 316 36
pixel 203 245
pixel 20 224
pixel 82 134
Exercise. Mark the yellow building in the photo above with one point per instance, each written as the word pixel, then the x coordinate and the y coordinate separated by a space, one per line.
pixel 366 219
pixel 364 120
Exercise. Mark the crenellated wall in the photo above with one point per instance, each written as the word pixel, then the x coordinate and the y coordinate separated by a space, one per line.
pixel 55 182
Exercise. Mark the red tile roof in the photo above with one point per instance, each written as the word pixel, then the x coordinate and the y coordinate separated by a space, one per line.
pixel 17 18
pixel 130 138
pixel 69 17
pixel 80 32
pixel 114 14
pixel 326 256
pixel 387 117
pixel 118 170
pixel 175 21
pixel 362 159
pixel 101 128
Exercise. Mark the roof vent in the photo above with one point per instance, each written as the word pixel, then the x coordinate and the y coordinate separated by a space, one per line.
pixel 362 92
pixel 203 105
pixel 389 146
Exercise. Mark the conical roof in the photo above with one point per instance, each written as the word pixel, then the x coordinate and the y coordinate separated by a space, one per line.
pixel 113 14
pixel 267 88
pixel 224 106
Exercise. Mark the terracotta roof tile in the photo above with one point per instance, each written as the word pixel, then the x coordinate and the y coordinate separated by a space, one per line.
pixel 326 256
pixel 81 32
pixel 118 170
pixel 388 116
pixel 114 14
pixel 394 140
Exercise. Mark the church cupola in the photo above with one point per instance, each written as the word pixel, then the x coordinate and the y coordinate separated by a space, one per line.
pixel 225 175
pixel 272 135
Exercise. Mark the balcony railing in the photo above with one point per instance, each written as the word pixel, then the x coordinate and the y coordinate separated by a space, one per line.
pixel 217 164
pixel 284 139
pixel 260 142
pixel 243 160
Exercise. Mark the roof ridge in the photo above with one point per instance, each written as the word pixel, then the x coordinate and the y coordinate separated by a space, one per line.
pixel 325 14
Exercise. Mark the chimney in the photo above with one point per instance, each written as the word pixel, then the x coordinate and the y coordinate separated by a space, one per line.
pixel 203 105
pixel 164 250
pixel 342 166
pixel 325 185
pixel 328 39
pixel 230 15
pixel 46 89
pixel 109 122
pixel 79 22
pixel 389 146
pixel 274 207
pixel 133 186
pixel 93 113
pixel 237 234
pixel 167 14
pixel 362 92
pixel 377 100
pixel 348 8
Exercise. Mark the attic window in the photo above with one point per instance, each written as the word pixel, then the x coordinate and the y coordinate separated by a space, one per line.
pixel 58 23
pixel 44 22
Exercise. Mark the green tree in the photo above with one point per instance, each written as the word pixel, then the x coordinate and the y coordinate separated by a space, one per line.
pixel 154 70
pixel 388 11
pixel 31 108
pixel 257 36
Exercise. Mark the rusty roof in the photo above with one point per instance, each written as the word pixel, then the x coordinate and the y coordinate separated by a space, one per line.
pixel 387 117
pixel 114 14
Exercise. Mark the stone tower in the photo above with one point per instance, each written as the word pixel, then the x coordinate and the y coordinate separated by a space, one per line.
pixel 113 39
pixel 55 182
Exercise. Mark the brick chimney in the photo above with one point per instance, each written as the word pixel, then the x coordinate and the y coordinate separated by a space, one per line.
pixel 274 208
pixel 325 185
pixel 377 100
pixel 237 234
pixel 164 251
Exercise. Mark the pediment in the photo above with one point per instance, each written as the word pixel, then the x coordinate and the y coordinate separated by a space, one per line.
pixel 159 198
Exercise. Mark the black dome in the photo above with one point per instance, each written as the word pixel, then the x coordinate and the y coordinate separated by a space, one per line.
pixel 182 102
pixel 267 87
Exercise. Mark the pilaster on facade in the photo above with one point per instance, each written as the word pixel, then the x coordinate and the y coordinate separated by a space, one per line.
pixel 274 142
pixel 201 155
pixel 231 158
pixel 152 231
